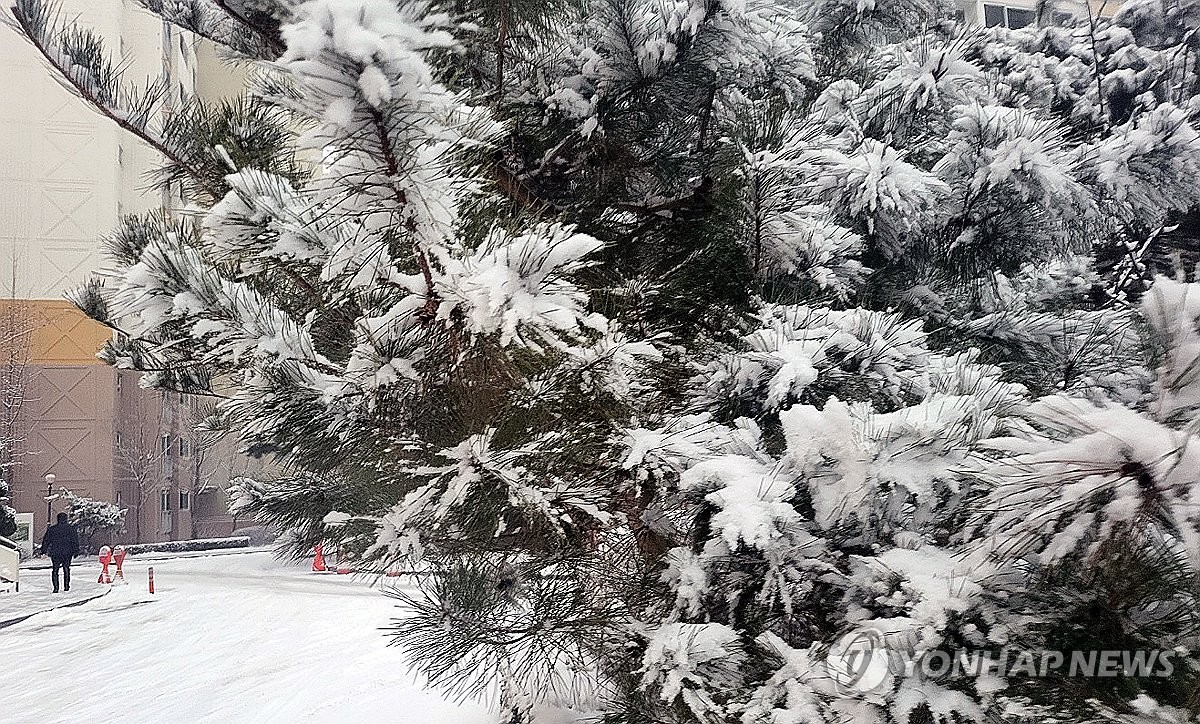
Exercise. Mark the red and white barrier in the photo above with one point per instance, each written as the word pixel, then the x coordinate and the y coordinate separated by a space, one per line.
pixel 118 557
pixel 105 559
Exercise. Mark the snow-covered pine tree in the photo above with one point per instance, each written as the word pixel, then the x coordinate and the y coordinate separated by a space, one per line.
pixel 674 341
pixel 804 517
pixel 1089 515
pixel 375 314
pixel 1127 84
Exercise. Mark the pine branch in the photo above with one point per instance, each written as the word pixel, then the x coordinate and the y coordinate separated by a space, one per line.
pixel 270 39
pixel 505 21
pixel 208 20
pixel 1093 23
pixel 211 141
pixel 393 167
pixel 78 57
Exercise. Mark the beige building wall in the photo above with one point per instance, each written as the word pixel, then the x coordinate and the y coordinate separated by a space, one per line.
pixel 215 79
pixel 68 173
pixel 67 178
pixel 73 409
pixel 61 335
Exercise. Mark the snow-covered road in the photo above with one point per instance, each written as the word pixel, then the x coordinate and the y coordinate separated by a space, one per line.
pixel 229 638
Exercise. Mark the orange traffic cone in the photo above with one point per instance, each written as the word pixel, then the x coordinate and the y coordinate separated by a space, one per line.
pixel 319 560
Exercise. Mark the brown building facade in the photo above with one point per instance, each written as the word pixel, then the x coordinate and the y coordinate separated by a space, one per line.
pixel 104 437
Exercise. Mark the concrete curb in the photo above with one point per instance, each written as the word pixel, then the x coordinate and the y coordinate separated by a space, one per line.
pixel 80 602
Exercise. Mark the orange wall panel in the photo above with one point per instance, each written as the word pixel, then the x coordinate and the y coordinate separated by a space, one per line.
pixel 61 334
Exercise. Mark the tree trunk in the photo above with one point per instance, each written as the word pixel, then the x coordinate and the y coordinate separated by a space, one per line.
pixel 501 41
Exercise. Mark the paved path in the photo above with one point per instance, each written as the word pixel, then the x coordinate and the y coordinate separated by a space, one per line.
pixel 224 639
pixel 36 594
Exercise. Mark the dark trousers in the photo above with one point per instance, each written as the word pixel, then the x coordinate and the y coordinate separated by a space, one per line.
pixel 65 565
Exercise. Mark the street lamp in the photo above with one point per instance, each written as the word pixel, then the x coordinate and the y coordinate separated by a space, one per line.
pixel 50 478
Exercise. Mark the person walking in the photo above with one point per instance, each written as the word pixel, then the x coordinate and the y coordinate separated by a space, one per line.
pixel 61 543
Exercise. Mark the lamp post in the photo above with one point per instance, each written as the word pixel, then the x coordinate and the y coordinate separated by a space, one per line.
pixel 50 478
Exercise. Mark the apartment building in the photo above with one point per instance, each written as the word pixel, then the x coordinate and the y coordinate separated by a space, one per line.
pixel 68 176
pixel 1020 13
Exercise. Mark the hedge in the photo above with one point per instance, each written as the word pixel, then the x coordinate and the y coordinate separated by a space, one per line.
pixel 183 546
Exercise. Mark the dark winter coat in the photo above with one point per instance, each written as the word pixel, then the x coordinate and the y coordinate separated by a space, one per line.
pixel 60 541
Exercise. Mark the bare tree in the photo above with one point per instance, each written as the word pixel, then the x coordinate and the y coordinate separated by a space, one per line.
pixel 16 332
pixel 201 437
pixel 198 433
pixel 215 460
pixel 139 458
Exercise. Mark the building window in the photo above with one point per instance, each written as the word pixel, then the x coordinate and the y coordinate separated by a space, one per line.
pixel 164 512
pixel 117 438
pixel 118 497
pixel 165 444
pixel 1009 17
pixel 183 447
pixel 185 500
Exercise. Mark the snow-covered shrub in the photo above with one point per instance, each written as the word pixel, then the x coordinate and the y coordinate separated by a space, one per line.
pixel 93 519
pixel 8 516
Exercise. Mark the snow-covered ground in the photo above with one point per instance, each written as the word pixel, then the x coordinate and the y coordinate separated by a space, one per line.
pixel 230 638
pixel 36 595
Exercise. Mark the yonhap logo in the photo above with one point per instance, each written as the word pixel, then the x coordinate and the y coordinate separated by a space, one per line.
pixel 860 663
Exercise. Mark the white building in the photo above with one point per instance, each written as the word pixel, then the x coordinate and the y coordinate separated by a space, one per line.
pixel 1020 13
pixel 68 175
